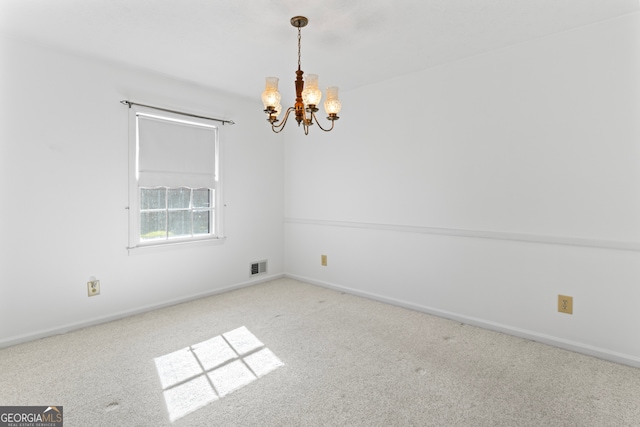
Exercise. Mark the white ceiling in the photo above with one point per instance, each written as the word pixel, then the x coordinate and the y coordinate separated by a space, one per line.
pixel 233 44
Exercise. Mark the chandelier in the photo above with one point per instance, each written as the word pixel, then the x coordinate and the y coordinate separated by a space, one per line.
pixel 307 96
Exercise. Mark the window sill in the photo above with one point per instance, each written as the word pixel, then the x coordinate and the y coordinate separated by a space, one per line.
pixel 145 248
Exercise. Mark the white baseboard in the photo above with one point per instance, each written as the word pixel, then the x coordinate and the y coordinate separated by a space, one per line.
pixel 577 347
pixel 120 315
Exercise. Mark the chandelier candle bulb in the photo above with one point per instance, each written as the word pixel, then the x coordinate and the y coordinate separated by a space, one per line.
pixel 308 96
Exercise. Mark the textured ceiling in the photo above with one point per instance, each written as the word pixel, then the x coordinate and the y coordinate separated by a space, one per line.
pixel 233 44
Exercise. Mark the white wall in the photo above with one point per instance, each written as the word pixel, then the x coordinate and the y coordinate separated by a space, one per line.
pixel 63 186
pixel 437 190
pixel 483 188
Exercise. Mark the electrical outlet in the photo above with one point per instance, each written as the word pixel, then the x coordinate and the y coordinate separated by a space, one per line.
pixel 565 304
pixel 323 260
pixel 93 288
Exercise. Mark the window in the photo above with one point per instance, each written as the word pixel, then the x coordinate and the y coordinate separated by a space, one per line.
pixel 167 213
pixel 175 189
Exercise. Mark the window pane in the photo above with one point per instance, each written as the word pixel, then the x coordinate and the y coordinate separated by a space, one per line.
pixel 179 198
pixel 153 225
pixel 179 223
pixel 153 198
pixel 201 198
pixel 201 222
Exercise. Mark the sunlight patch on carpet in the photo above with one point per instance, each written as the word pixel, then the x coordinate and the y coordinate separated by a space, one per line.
pixel 197 375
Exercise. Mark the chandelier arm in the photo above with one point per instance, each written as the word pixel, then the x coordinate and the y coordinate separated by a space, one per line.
pixel 283 123
pixel 276 130
pixel 286 116
pixel 333 122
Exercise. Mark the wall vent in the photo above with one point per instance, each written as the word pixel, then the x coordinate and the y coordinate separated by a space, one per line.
pixel 258 267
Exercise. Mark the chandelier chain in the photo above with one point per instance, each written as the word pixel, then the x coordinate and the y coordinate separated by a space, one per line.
pixel 299 40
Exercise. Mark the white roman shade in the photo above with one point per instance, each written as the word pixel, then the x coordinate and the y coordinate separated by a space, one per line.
pixel 175 153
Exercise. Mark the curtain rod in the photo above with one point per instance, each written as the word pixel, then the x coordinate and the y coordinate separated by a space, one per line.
pixel 224 122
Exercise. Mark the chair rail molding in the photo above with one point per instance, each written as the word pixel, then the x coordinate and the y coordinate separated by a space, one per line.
pixel 479 234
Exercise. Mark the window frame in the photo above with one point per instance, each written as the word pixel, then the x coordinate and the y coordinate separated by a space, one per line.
pixel 134 207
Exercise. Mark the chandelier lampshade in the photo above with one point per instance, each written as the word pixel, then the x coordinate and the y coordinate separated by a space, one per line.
pixel 308 96
pixel 332 105
pixel 271 96
pixel 311 95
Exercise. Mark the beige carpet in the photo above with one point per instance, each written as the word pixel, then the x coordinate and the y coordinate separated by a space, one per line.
pixel 285 353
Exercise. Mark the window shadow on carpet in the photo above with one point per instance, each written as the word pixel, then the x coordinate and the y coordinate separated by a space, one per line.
pixel 197 375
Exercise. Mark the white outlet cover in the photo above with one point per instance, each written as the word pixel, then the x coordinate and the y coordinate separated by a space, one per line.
pixel 93 288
